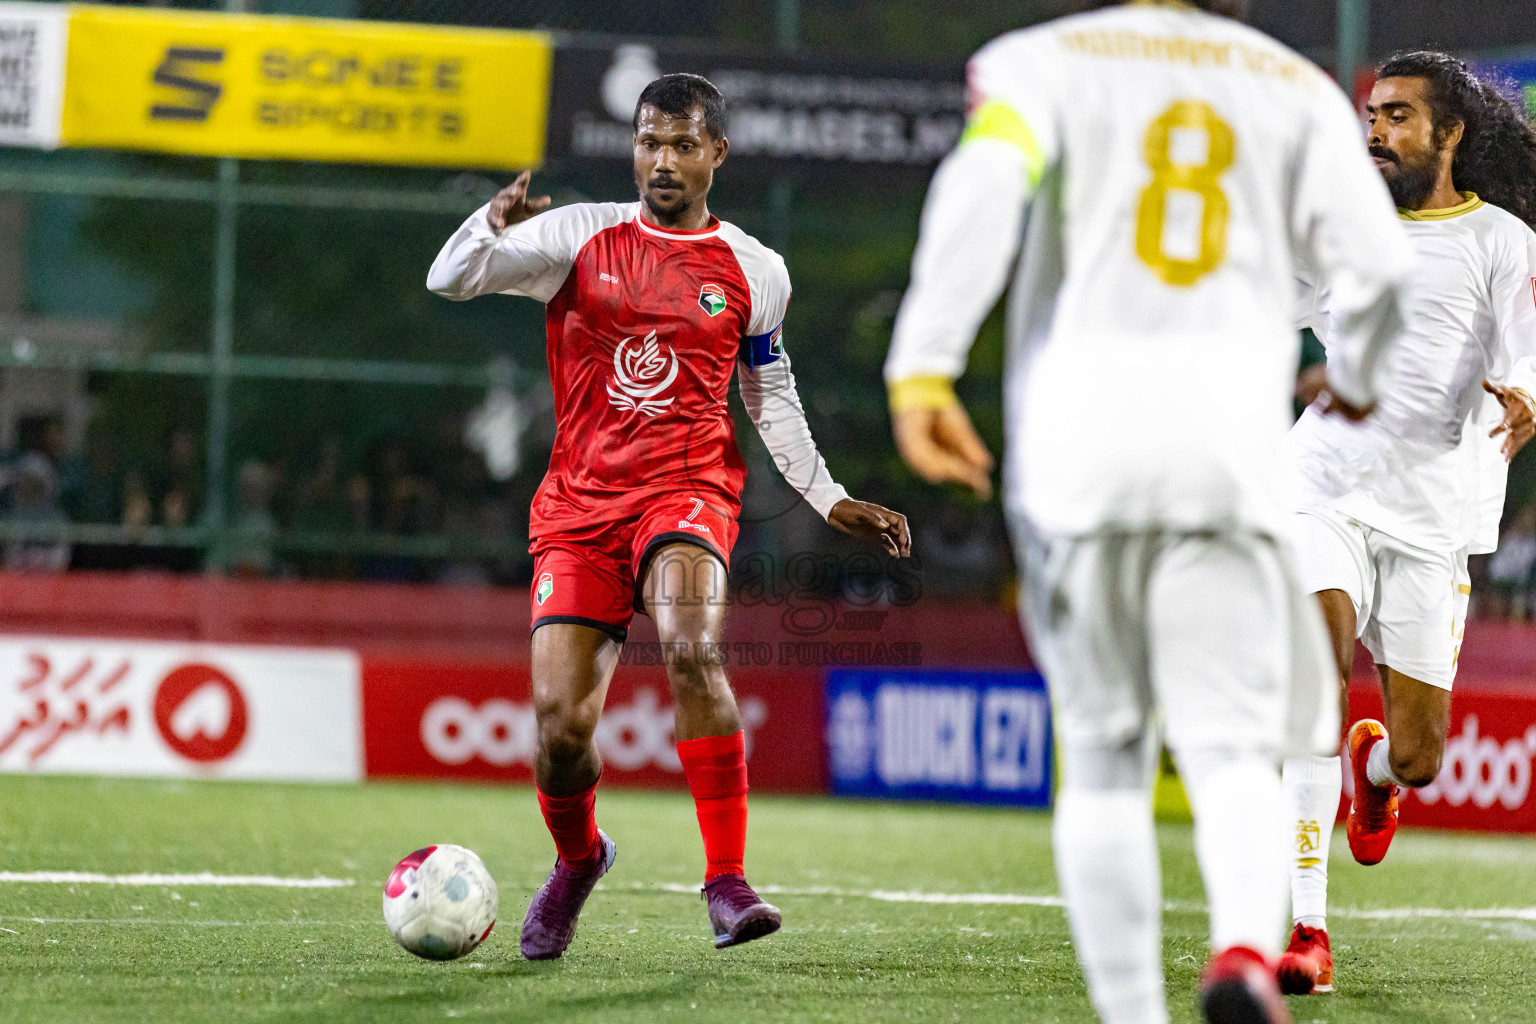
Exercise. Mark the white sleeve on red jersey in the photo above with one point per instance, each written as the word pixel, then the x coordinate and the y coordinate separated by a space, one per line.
pixel 767 383
pixel 768 287
pixel 769 394
pixel 532 258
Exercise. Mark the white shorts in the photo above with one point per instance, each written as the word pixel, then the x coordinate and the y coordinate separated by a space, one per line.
pixel 1209 631
pixel 1410 604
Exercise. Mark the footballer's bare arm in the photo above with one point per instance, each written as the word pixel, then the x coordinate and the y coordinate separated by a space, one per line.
pixel 869 521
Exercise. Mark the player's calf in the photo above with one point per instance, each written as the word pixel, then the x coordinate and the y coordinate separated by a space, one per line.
pixel 1415 765
pixel 1418 717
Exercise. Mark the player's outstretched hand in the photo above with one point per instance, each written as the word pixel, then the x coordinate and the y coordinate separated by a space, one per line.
pixel 1519 418
pixel 512 204
pixel 1311 383
pixel 941 446
pixel 1333 405
pixel 871 522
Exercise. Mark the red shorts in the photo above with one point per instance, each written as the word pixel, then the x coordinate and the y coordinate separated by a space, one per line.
pixel 592 576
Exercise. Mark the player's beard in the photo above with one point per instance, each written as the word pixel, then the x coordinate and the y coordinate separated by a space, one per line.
pixel 665 215
pixel 1411 181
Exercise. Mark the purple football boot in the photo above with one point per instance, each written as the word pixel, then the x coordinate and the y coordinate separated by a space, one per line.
pixel 738 914
pixel 550 924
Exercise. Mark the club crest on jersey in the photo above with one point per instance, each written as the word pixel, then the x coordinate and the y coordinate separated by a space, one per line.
pixel 712 299
pixel 546 587
pixel 640 373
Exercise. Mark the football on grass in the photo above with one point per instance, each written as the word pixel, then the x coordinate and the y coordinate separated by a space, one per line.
pixel 440 902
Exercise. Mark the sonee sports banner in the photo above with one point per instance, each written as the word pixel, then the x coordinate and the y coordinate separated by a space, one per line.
pixel 207 84
pixel 305 89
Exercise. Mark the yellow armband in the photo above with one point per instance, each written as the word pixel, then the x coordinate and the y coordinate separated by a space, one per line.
pixel 922 393
pixel 998 121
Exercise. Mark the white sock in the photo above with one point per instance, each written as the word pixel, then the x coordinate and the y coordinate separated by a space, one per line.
pixel 1240 842
pixel 1312 787
pixel 1378 766
pixel 1106 861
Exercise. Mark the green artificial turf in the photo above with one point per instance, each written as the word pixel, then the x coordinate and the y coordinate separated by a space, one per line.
pixel 204 954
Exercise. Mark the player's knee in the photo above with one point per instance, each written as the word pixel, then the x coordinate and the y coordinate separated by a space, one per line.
pixel 565 731
pixel 695 667
pixel 1417 766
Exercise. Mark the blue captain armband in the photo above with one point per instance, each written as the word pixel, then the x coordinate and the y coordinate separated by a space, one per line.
pixel 762 349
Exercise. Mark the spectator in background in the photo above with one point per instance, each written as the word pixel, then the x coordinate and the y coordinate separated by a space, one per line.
pixel 402 501
pixel 33 501
pixel 91 485
pixel 31 496
pixel 180 490
pixel 254 527
pixel 359 503
pixel 1512 568
pixel 138 507
pixel 320 503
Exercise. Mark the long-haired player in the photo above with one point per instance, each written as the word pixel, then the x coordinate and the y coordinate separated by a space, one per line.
pixel 1395 506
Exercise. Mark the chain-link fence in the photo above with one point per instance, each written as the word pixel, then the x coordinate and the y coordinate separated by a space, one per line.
pixel 903 28
pixel 332 423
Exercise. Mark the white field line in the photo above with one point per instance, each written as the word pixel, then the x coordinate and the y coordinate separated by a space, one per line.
pixel 879 895
pixel 186 922
pixel 1398 913
pixel 202 878
pixel 1005 899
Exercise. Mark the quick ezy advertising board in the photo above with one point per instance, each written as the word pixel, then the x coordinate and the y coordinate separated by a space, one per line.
pixel 926 734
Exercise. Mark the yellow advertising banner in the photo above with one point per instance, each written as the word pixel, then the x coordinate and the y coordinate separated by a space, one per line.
pixel 305 89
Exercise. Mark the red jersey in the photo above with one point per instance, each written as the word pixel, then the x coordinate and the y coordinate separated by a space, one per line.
pixel 645 327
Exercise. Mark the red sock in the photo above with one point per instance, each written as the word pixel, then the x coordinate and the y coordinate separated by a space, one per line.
pixel 572 821
pixel 716 769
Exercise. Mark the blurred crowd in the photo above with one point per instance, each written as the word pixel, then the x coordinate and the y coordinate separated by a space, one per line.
pixel 318 515
pixel 1504 583
pixel 329 513
pixel 325 514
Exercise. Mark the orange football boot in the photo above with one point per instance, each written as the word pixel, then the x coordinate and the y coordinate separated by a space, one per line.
pixel 1373 815
pixel 1306 966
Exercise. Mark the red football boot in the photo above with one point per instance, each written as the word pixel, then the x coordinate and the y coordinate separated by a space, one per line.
pixel 737 913
pixel 550 924
pixel 1306 966
pixel 1238 987
pixel 1373 816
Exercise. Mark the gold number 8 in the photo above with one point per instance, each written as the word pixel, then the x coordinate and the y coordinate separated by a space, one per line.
pixel 1202 179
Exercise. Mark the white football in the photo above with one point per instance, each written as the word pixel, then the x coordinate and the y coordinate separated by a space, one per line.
pixel 440 902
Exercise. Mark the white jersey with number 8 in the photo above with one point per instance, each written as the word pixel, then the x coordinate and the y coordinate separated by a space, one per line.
pixel 1166 170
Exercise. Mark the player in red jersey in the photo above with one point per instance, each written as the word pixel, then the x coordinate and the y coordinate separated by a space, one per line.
pixel 651 307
